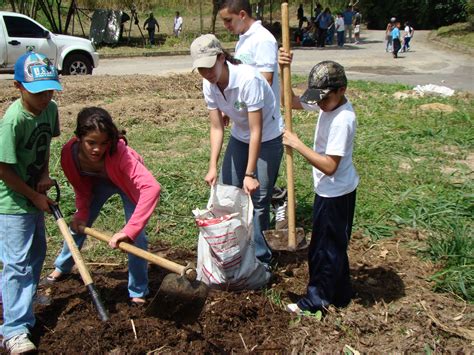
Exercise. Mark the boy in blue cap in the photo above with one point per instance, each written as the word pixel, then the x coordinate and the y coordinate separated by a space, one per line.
pixel 25 136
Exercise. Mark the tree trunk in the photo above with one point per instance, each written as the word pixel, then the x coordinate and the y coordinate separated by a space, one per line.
pixel 215 10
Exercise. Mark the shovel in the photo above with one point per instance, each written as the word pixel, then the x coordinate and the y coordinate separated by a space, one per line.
pixel 292 238
pixel 180 297
pixel 76 255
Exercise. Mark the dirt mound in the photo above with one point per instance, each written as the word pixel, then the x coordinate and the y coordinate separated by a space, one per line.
pixel 436 106
pixel 394 309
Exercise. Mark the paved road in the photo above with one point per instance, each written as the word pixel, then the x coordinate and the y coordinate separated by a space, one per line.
pixel 426 63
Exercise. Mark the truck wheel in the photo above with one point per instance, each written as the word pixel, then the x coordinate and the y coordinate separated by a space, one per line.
pixel 77 64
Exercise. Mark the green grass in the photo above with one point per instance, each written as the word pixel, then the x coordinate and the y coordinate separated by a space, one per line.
pixel 458 33
pixel 402 154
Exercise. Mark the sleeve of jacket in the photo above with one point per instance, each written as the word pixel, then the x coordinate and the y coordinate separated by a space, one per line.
pixel 140 180
pixel 82 185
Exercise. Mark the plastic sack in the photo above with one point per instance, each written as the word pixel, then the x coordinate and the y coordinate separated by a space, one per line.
pixel 433 90
pixel 226 250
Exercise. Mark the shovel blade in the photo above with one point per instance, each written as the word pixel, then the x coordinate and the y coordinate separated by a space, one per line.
pixel 178 299
pixel 277 239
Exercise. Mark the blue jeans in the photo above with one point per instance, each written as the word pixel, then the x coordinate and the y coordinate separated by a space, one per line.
pixel 233 173
pixel 22 252
pixel 137 267
pixel 406 44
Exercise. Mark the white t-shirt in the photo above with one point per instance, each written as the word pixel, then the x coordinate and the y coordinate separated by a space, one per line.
pixel 340 24
pixel 407 31
pixel 335 133
pixel 247 91
pixel 258 47
pixel 178 22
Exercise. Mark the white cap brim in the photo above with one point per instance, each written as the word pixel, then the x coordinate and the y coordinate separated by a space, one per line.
pixel 204 62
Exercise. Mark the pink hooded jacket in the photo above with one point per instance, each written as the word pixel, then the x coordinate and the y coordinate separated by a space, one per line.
pixel 126 171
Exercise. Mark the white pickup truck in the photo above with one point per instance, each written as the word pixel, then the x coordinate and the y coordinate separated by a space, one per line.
pixel 19 33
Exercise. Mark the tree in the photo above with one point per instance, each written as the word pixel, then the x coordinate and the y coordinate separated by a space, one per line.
pixel 424 14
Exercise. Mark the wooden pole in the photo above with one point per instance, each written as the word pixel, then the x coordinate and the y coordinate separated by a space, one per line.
pixel 285 21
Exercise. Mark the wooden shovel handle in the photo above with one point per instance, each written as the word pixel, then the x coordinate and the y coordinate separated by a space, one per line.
pixel 187 271
pixel 80 264
pixel 285 20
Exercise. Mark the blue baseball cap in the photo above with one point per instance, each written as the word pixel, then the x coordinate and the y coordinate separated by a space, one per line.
pixel 36 73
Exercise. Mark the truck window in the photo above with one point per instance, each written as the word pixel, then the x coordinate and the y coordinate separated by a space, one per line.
pixel 22 27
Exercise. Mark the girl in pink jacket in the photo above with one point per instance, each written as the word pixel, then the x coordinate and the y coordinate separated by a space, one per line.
pixel 98 164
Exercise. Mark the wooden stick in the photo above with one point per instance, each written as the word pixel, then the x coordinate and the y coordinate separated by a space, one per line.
pixel 286 78
pixel 190 273
pixel 134 330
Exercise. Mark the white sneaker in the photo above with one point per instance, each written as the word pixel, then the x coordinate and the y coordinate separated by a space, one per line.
pixel 281 220
pixel 19 344
pixel 293 308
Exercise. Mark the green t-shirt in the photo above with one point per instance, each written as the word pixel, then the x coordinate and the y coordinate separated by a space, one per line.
pixel 24 143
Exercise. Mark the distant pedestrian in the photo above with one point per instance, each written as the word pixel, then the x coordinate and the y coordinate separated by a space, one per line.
pixel 150 25
pixel 388 34
pixel 357 23
pixel 178 24
pixel 317 10
pixel 348 15
pixel 300 16
pixel 396 44
pixel 408 35
pixel 324 20
pixel 340 30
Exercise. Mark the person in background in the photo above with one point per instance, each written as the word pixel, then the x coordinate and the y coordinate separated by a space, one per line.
pixel 254 151
pixel 300 16
pixel 396 44
pixel 340 30
pixel 331 30
pixel 357 24
pixel 388 34
pixel 408 35
pixel 348 15
pixel 324 20
pixel 26 131
pixel 151 24
pixel 335 184
pixel 177 24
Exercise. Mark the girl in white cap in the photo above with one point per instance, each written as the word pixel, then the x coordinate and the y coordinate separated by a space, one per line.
pixel 255 149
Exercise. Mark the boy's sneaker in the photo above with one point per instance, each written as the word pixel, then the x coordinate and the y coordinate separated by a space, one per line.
pixel 19 344
pixel 293 308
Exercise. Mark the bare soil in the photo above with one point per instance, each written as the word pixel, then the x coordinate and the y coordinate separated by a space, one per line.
pixel 394 308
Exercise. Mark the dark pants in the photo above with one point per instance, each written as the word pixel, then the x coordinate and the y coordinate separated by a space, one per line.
pixel 151 35
pixel 329 278
pixel 396 47
pixel 340 38
pixel 322 33
pixel 406 44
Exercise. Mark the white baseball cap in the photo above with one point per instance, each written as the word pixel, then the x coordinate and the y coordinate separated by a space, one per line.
pixel 204 51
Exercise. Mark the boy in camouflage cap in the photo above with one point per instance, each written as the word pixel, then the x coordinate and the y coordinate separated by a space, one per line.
pixel 335 183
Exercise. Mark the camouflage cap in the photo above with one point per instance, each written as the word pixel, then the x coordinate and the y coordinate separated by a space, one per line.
pixel 323 78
